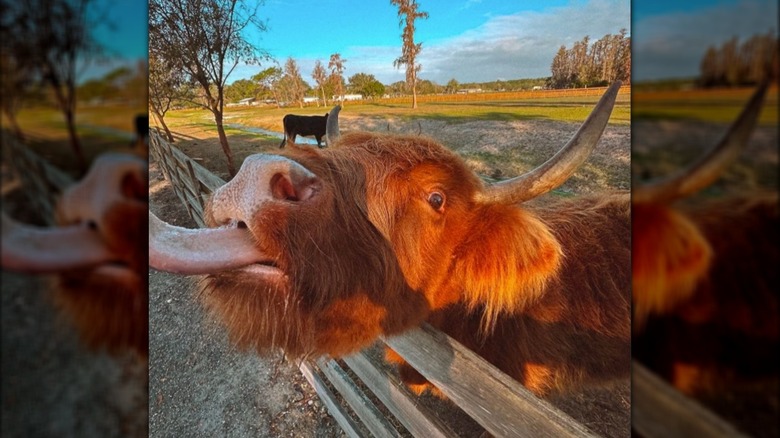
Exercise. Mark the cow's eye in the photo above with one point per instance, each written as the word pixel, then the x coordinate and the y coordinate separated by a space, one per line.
pixel 436 200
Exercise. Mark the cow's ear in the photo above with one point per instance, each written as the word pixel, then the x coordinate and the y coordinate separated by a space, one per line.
pixel 507 260
pixel 669 256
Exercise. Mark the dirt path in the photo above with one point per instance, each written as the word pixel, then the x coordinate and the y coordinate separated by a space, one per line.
pixel 199 386
pixel 52 386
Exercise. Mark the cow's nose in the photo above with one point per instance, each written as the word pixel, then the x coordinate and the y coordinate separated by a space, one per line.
pixel 262 178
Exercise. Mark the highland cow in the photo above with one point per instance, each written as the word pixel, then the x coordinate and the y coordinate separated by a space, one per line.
pixel 97 251
pixel 321 252
pixel 705 282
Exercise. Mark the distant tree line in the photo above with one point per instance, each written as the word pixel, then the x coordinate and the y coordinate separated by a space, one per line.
pixel 271 85
pixel 734 64
pixel 600 63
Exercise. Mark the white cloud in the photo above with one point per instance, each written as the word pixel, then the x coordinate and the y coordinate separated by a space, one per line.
pixel 521 45
pixel 672 45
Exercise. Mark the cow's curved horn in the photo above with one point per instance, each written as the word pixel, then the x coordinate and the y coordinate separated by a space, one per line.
pixel 711 165
pixel 332 125
pixel 557 169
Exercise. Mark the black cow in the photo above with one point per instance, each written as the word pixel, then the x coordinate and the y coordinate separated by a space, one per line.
pixel 303 125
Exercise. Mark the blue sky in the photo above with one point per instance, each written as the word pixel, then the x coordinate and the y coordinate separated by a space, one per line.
pixel 670 37
pixel 123 34
pixel 469 40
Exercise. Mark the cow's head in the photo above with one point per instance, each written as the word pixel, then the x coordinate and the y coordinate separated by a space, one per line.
pixel 322 251
pixel 98 250
pixel 670 255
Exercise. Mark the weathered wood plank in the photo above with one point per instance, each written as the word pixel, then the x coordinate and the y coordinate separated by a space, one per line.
pixel 330 401
pixel 163 148
pixel 394 395
pixel 363 407
pixel 43 183
pixel 497 402
pixel 658 410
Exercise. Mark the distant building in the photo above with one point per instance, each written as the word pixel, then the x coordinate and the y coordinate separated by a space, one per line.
pixel 349 97
pixel 247 101
pixel 310 100
pixel 469 90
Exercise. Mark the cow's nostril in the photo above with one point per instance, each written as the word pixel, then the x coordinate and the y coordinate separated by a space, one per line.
pixel 92 225
pixel 241 224
pixel 282 188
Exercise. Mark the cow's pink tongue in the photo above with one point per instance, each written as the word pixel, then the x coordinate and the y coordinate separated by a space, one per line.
pixel 38 250
pixel 201 251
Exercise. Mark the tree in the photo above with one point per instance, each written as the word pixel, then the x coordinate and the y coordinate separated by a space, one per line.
pixel 560 69
pixel 623 56
pixel 320 77
pixel 408 12
pixel 734 64
pixel 240 89
pixel 600 63
pixel 366 84
pixel 205 39
pixel 53 36
pixel 268 81
pixel 165 85
pixel 429 87
pixel 452 86
pixel 336 66
pixel 396 88
pixel 16 85
pixel 294 81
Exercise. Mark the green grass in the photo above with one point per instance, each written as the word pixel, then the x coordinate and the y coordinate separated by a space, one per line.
pixel 566 109
pixel 718 105
pixel 496 110
pixel 46 132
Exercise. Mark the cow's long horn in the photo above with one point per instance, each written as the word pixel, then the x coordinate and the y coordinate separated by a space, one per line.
pixel 332 125
pixel 711 165
pixel 557 169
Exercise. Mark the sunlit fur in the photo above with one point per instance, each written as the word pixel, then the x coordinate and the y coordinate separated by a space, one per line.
pixel 726 328
pixel 670 256
pixel 541 292
pixel 112 313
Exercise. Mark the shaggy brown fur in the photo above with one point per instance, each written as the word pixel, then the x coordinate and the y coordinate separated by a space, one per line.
pixel 395 235
pixel 720 324
pixel 112 313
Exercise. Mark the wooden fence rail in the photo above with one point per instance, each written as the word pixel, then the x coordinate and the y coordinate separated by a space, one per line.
pixel 497 402
pixel 42 182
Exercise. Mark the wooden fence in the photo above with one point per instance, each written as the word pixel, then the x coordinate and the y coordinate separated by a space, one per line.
pixel 42 182
pixel 508 95
pixel 481 96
